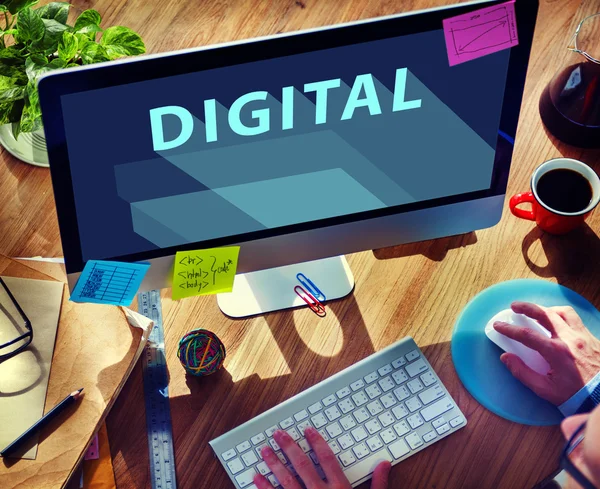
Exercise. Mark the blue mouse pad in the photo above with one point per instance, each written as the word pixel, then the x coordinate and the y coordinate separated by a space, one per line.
pixel 477 359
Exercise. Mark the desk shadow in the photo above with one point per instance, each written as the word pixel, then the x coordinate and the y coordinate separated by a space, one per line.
pixel 573 259
pixel 435 249
pixel 590 157
pixel 217 404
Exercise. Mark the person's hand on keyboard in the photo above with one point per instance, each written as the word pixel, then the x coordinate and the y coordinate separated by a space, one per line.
pixel 572 352
pixel 305 468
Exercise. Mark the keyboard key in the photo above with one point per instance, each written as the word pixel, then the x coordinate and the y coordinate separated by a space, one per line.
pixel 413 404
pixel 402 393
pixel 415 386
pixel 416 368
pixel 346 406
pixel 229 454
pixel 386 369
pixel 415 421
pixel 386 419
pixel 286 423
pixel 437 408
pixel 366 466
pixel 319 420
pixel 347 422
pixel 347 458
pixel 431 394
pixel 302 426
pixel 304 445
pixel 361 415
pixel 359 434
pixel 428 378
pixel 375 408
pixel 333 413
pixel 399 362
pixel 388 436
pixel 293 432
pixel 374 443
pixel 400 376
pixel 343 392
pixel 386 384
pixel 388 400
pixel 324 435
pixel 334 430
pixel 314 408
pixel 345 441
pixel 335 448
pixel 438 422
pixel 259 449
pixel 401 428
pixel 301 415
pixel 427 437
pixel 373 391
pixel 313 457
pixel 249 459
pixel 329 400
pixel 360 398
pixel 359 384
pixel 372 377
pixel 245 478
pixel 412 355
pixel 256 439
pixel 399 449
pixel 400 411
pixel 361 451
pixel 373 426
pixel 274 445
pixel 414 441
pixel 271 431
pixel 443 429
pixel 281 457
pixel 235 466
pixel 456 422
pixel 242 447
pixel 273 480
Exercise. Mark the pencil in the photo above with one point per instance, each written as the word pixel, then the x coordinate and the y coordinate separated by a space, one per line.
pixel 50 415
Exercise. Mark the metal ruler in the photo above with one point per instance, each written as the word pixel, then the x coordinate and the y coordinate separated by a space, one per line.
pixel 156 396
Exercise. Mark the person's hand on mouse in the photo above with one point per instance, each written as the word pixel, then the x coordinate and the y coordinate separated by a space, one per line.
pixel 572 352
pixel 306 469
pixel 586 457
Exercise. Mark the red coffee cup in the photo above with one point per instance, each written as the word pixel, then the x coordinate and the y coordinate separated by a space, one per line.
pixel 552 220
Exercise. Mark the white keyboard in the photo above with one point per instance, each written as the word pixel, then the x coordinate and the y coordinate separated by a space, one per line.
pixel 388 406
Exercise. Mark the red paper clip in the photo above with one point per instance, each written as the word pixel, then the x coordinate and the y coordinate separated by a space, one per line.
pixel 311 300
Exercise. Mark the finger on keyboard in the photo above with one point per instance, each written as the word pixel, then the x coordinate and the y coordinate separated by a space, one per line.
pixel 303 465
pixel 325 456
pixel 284 476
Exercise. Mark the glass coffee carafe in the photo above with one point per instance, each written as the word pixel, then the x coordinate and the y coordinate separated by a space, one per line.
pixel 570 104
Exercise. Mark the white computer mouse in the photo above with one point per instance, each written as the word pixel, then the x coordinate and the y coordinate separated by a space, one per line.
pixel 530 357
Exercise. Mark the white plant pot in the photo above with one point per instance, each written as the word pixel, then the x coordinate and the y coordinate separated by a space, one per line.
pixel 30 147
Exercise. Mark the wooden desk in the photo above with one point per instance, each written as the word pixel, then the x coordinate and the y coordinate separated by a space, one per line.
pixel 416 289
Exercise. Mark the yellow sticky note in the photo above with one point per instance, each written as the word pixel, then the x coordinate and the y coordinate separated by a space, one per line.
pixel 203 272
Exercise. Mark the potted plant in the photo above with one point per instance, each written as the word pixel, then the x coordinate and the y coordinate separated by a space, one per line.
pixel 36 41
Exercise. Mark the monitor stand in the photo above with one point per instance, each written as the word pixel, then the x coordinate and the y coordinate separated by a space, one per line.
pixel 273 289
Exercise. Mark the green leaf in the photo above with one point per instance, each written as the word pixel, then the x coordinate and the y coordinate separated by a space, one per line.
pixel 15 6
pixel 87 17
pixel 12 56
pixel 11 94
pixel 16 129
pixel 31 120
pixel 93 53
pixel 35 66
pixel 122 41
pixel 89 32
pixel 67 46
pixel 30 25
pixel 54 31
pixel 5 110
pixel 58 11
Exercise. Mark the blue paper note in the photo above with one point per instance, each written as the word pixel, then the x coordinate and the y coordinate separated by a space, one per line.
pixel 109 282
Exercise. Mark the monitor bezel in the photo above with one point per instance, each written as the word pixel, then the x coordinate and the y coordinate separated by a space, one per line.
pixel 57 84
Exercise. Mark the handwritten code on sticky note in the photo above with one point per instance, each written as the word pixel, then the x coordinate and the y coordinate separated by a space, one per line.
pixel 479 33
pixel 109 282
pixel 204 272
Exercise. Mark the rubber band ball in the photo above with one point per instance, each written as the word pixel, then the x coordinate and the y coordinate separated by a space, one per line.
pixel 201 352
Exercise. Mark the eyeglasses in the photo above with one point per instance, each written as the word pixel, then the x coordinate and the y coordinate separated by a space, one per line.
pixel 579 45
pixel 568 465
pixel 10 308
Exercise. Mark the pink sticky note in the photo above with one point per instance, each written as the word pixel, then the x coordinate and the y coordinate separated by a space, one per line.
pixel 93 452
pixel 479 33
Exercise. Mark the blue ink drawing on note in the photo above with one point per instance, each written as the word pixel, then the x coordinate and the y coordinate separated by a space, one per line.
pixel 109 282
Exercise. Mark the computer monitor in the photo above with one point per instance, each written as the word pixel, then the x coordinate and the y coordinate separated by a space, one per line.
pixel 296 147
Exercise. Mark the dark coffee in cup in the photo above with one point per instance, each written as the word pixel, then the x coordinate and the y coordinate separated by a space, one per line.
pixel 565 190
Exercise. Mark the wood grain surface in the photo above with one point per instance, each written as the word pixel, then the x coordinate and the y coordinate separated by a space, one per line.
pixel 416 289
